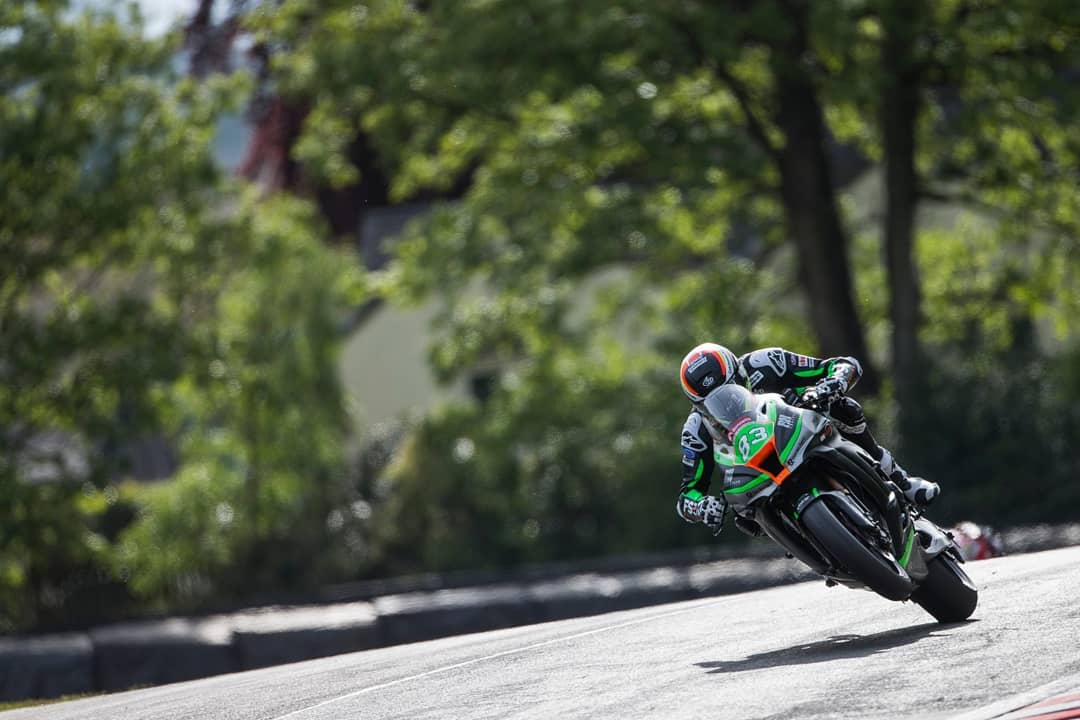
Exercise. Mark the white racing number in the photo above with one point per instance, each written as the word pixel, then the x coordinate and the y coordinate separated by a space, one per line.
pixel 751 439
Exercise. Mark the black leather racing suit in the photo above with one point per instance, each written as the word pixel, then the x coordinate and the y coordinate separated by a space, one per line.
pixel 769 370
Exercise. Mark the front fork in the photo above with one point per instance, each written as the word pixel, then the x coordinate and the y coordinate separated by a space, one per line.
pixel 773 522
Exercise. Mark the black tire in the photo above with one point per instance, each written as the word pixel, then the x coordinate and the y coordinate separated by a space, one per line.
pixel 947 593
pixel 854 555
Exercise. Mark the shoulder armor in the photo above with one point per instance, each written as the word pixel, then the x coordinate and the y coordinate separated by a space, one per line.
pixel 694 433
pixel 773 358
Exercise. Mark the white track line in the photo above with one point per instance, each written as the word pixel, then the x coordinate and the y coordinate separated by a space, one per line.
pixel 1021 701
pixel 455 666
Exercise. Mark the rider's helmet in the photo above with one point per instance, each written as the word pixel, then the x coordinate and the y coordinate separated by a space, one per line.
pixel 705 368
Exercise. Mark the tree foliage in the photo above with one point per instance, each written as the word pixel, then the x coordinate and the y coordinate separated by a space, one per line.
pixel 260 424
pixel 143 294
pixel 629 178
pixel 702 148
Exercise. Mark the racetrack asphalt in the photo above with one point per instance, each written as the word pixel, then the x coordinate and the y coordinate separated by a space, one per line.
pixel 797 651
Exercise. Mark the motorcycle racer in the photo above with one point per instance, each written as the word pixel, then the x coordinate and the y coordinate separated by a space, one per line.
pixel 802 380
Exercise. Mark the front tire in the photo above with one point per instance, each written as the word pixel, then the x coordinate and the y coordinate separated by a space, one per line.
pixel 947 593
pixel 853 553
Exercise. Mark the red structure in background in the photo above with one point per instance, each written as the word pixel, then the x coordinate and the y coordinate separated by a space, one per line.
pixel 277 123
pixel 977 542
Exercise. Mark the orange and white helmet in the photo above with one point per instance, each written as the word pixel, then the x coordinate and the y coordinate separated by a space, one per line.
pixel 705 368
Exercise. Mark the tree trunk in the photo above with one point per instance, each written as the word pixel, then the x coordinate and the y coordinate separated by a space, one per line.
pixel 344 208
pixel 899 109
pixel 810 205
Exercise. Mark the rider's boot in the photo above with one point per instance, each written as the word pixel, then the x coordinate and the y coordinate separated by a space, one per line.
pixel 916 489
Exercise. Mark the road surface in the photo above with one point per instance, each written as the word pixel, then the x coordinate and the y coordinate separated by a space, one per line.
pixel 799 651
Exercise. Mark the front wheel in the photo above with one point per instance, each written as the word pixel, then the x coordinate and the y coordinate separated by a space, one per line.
pixel 855 555
pixel 947 593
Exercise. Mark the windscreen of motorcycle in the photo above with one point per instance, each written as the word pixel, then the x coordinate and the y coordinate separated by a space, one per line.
pixel 727 403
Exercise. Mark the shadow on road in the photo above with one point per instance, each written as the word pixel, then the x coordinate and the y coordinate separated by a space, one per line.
pixel 836 647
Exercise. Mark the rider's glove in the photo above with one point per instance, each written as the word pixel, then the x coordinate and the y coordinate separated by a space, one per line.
pixel 712 513
pixel 823 393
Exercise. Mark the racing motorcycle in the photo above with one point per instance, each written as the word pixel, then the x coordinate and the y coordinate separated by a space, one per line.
pixel 831 506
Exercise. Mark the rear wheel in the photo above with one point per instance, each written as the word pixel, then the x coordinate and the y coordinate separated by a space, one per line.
pixel 855 554
pixel 947 593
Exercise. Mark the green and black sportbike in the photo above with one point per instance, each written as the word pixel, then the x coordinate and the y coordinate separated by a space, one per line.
pixel 829 504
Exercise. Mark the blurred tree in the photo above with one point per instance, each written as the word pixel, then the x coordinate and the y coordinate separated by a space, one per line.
pixel 915 86
pixel 973 104
pixel 277 122
pixel 996 404
pixel 261 502
pixel 143 294
pixel 690 144
pixel 104 171
pixel 571 454
pixel 900 105
pixel 621 115
pixel 565 483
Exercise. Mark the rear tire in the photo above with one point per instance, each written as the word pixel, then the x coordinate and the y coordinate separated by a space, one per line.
pixel 947 593
pixel 855 555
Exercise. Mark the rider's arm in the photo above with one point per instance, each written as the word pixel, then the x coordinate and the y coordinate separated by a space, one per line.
pixel 804 371
pixel 778 370
pixel 835 377
pixel 845 368
pixel 697 467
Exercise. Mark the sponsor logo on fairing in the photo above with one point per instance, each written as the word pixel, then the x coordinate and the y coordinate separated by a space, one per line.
pixel 785 421
pixel 738 424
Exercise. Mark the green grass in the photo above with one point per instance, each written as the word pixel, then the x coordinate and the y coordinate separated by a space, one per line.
pixel 31 703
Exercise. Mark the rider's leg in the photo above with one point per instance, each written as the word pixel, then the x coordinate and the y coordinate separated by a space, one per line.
pixel 850 420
